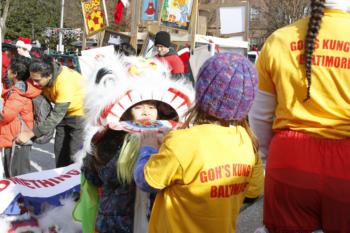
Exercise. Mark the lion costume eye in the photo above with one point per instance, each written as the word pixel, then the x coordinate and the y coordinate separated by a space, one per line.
pixel 101 75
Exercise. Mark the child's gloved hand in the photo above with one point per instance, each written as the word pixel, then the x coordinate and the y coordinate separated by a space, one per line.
pixel 153 138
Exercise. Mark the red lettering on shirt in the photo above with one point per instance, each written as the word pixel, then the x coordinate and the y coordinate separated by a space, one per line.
pixel 327 61
pixel 227 170
pixel 226 191
pixel 213 191
pixel 224 171
pixel 203 177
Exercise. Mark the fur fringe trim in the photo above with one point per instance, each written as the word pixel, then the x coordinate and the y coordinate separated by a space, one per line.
pixel 61 217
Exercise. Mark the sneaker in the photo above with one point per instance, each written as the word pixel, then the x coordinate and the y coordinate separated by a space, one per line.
pixel 261 230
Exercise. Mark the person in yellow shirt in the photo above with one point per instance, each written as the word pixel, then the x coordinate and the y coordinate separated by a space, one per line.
pixel 203 173
pixel 64 88
pixel 301 117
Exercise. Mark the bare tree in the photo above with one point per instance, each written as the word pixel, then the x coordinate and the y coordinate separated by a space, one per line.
pixel 277 13
pixel 268 15
pixel 5 5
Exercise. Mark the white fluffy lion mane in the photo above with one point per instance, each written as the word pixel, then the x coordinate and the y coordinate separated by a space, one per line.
pixel 111 77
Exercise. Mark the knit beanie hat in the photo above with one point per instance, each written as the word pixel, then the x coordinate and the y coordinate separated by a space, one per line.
pixel 162 38
pixel 226 86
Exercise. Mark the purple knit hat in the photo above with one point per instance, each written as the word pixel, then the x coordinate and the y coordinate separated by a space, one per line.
pixel 226 86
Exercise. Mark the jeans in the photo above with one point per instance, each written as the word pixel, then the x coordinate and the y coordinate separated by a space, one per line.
pixel 68 139
pixel 17 163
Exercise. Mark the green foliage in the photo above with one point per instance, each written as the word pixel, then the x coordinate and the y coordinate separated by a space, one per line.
pixel 28 18
pixel 51 38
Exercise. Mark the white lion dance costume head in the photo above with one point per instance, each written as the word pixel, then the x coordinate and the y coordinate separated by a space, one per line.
pixel 119 82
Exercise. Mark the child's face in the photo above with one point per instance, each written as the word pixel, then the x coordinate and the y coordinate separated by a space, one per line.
pixel 11 75
pixel 144 111
pixel 161 50
pixel 38 80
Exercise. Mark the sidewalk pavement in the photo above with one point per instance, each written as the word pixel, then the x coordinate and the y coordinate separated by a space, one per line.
pixel 250 217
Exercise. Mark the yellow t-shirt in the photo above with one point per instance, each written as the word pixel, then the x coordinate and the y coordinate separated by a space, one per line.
pixel 204 173
pixel 281 72
pixel 68 87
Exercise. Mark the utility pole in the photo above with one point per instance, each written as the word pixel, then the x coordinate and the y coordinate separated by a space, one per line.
pixel 135 11
pixel 60 39
pixel 248 21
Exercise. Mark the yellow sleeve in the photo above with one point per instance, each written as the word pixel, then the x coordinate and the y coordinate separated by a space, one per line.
pixel 264 72
pixel 64 89
pixel 256 183
pixel 163 168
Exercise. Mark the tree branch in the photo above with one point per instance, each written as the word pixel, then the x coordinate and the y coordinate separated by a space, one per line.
pixel 4 18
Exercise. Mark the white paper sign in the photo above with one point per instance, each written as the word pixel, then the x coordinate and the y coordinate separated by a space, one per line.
pixel 232 19
pixel 199 56
pixel 89 58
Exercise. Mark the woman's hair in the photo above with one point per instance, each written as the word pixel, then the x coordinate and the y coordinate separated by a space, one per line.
pixel 317 12
pixel 20 66
pixel 107 147
pixel 42 66
pixel 117 143
pixel 196 116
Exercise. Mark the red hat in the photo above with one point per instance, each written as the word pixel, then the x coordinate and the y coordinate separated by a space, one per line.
pixel 24 43
pixel 25 40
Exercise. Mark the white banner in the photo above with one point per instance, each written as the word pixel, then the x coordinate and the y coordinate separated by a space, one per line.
pixel 199 55
pixel 36 188
pixel 90 57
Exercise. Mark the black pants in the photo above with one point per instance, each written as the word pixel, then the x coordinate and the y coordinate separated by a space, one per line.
pixel 19 162
pixel 68 139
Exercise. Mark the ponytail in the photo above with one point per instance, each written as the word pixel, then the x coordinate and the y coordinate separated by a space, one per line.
pixel 317 12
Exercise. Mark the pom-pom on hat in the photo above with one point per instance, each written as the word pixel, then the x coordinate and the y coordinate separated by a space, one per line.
pixel 162 38
pixel 226 86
